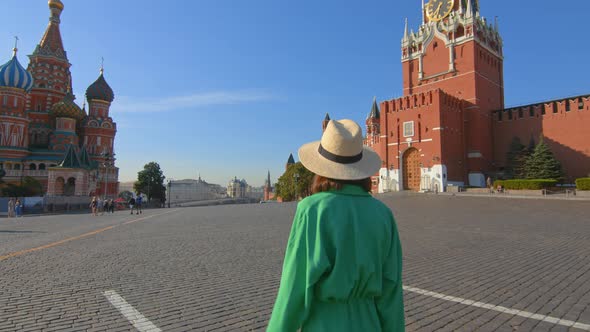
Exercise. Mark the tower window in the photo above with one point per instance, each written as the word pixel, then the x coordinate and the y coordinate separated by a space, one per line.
pixel 510 115
pixel 520 115
pixel 555 107
pixel 531 111
pixel 543 111
pixel 5 100
pixel 500 115
pixel 567 105
pixel 580 104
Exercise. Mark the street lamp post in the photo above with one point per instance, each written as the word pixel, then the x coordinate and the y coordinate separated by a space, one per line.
pixel 169 189
pixel 106 164
pixel 296 178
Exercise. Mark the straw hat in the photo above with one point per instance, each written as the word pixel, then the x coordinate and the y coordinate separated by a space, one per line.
pixel 340 153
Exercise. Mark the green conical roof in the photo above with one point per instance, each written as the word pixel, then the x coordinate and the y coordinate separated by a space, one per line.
pixel 374 110
pixel 71 159
pixel 85 160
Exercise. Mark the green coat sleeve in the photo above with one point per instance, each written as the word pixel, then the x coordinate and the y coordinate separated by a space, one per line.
pixel 305 262
pixel 390 306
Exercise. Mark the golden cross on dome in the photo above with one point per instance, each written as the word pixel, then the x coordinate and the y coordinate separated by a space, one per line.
pixel 102 65
pixel 15 45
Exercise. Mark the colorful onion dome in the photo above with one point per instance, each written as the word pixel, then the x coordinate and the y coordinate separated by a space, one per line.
pixel 13 75
pixel 67 109
pixel 100 90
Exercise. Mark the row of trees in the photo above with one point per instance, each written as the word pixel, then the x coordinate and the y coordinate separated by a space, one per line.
pixel 532 161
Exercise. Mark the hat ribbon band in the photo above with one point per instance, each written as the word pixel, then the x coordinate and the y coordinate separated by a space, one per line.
pixel 339 159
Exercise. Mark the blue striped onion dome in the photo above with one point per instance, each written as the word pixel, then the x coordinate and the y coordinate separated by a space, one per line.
pixel 67 109
pixel 13 75
pixel 100 90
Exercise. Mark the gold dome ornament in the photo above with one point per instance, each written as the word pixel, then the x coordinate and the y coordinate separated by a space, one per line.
pixel 55 4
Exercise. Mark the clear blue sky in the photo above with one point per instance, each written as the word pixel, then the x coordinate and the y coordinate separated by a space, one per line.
pixel 229 88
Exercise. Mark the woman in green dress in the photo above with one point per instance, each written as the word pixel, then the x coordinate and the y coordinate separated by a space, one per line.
pixel 343 263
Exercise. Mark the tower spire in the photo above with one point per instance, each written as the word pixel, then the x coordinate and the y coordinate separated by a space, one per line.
pixel 469 13
pixel 102 65
pixel 51 44
pixel 423 12
pixel 406 30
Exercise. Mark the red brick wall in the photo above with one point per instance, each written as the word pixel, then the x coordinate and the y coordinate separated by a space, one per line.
pixel 566 133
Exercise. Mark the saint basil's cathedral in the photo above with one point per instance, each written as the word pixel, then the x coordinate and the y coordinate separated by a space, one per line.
pixel 44 134
pixel 450 127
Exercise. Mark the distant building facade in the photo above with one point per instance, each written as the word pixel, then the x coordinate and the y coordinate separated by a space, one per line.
pixel 44 134
pixel 190 190
pixel 450 127
pixel 237 188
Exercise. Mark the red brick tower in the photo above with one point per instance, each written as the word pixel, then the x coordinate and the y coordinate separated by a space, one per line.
pixel 51 71
pixel 458 51
pixel 99 133
pixel 372 123
pixel 440 132
pixel 267 188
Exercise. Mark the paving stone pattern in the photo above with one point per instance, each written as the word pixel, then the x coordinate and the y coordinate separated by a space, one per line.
pixel 217 268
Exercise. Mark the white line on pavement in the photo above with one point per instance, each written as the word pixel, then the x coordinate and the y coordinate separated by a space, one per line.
pixel 135 317
pixel 515 312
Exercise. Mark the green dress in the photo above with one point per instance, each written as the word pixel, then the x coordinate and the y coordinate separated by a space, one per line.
pixel 342 268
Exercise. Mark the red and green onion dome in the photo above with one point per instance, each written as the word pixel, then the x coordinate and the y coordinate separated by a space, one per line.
pixel 67 109
pixel 100 90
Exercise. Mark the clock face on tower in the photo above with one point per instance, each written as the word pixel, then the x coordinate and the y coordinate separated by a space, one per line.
pixel 439 9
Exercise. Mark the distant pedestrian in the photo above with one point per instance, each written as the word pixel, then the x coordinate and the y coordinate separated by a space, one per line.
pixel 112 205
pixel 131 204
pixel 18 208
pixel 94 206
pixel 343 262
pixel 489 184
pixel 11 206
pixel 100 205
pixel 106 206
pixel 138 203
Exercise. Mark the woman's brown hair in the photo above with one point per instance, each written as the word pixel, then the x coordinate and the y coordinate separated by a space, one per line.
pixel 320 184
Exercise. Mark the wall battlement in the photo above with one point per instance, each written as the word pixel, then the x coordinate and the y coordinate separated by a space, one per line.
pixel 552 107
pixel 419 100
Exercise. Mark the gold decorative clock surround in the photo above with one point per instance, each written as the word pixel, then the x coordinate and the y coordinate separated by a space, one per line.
pixel 436 10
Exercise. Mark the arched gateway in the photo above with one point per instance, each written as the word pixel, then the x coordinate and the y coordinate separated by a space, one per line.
pixel 411 169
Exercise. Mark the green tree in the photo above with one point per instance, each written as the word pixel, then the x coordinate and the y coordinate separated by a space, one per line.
pixel 31 187
pixel 514 159
pixel 541 164
pixel 150 181
pixel 294 183
pixel 28 188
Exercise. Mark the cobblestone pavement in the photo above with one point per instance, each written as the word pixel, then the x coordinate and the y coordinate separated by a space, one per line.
pixel 217 268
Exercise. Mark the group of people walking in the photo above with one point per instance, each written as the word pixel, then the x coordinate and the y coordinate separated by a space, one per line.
pixel 136 203
pixel 98 205
pixel 15 208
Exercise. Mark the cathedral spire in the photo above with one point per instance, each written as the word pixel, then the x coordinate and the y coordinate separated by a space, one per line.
pixel 51 44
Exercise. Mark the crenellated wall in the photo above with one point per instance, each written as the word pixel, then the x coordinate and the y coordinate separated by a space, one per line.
pixel 564 124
